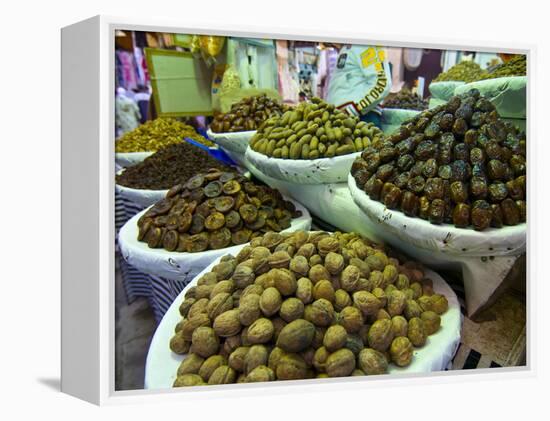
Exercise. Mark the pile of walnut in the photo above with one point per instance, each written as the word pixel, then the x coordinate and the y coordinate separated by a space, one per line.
pixel 304 305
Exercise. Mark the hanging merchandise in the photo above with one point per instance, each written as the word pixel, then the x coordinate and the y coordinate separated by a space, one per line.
pixel 331 59
pixel 361 80
pixel 211 46
pixel 141 66
pixel 412 57
pixel 395 58
pixel 206 46
pixel 252 67
pixel 128 69
pixel 168 40
pixel 231 80
pixel 254 61
pixel 217 77
pixel 288 83
pixel 152 40
pixel 195 45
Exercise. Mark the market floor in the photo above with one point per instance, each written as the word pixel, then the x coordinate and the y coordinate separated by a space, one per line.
pixel 135 325
pixel 496 340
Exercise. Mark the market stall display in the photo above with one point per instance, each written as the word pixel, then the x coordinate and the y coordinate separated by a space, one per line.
pixel 405 99
pixel 169 166
pixel 314 143
pixel 139 197
pixel 507 94
pixel 311 311
pixel 516 66
pixel 133 147
pixel 484 258
pixel 177 265
pixel 313 130
pixel 457 163
pixel 443 86
pixel 392 118
pixel 483 268
pixel 214 210
pixel 504 85
pixel 247 114
pixel 243 289
pixel 465 71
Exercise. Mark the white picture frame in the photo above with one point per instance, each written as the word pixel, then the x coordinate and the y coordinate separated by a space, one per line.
pixel 88 168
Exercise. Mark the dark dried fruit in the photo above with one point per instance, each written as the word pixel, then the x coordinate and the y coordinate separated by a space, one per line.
pixel 481 215
pixel 461 215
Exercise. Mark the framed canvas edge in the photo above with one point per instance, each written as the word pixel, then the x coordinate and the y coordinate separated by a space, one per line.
pixel 107 393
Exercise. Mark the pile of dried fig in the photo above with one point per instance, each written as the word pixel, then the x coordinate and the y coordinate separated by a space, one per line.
pixel 214 210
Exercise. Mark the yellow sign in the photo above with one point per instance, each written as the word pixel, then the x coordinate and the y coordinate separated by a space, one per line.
pixel 373 55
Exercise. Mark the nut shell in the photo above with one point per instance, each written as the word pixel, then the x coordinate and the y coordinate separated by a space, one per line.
pixel 320 312
pixel 223 375
pixel 261 331
pixel 432 322
pixel 291 309
pixel 249 309
pixel 296 336
pixel 401 351
pixel 227 323
pixel 380 335
pixel 270 301
pixel 210 364
pixel 351 319
pixel 260 374
pixel 291 367
pixel 191 364
pixel 340 363
pixel 335 338
pixel 204 342
pixel 416 333
pixel 372 362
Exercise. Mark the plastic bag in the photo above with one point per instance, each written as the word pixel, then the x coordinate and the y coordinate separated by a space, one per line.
pixel 392 118
pixel 508 94
pixel 444 90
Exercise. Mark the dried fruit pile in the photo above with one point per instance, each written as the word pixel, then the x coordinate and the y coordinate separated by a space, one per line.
pixel 247 114
pixel 169 166
pixel 517 66
pixel 304 305
pixel 468 71
pixel 212 211
pixel 155 134
pixel 465 71
pixel 311 131
pixel 457 163
pixel 405 100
